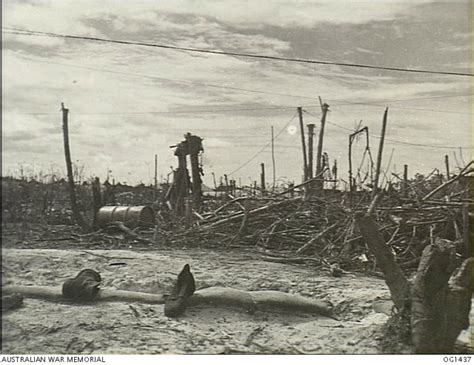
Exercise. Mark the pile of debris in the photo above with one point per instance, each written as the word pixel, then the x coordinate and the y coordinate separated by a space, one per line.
pixel 321 228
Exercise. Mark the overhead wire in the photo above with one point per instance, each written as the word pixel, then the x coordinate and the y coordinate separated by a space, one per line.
pixel 346 103
pixel 393 140
pixel 177 81
pixel 264 147
pixel 343 102
pixel 208 111
pixel 28 32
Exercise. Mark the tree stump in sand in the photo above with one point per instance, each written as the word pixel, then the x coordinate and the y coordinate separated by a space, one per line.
pixel 438 301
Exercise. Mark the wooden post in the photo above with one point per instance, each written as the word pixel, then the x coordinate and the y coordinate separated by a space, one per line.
pixel 273 161
pixel 155 187
pixel 380 153
pixel 226 180
pixel 215 184
pixel 319 165
pixel 446 162
pixel 405 181
pixel 262 178
pixel 303 144
pixel 72 193
pixel 97 201
pixel 350 167
pixel 310 150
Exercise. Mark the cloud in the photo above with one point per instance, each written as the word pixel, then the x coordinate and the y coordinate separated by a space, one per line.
pixel 58 16
pixel 111 90
pixel 71 15
pixel 18 136
pixel 286 13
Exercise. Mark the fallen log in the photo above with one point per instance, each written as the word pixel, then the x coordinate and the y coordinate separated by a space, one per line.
pixel 216 296
pixel 260 300
pixel 104 295
pixel 225 297
pixel 289 302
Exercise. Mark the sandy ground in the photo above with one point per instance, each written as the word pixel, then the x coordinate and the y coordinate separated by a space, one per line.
pixel 120 328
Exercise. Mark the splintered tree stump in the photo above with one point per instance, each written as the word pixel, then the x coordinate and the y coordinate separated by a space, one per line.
pixel 430 298
pixel 460 288
pixel 439 299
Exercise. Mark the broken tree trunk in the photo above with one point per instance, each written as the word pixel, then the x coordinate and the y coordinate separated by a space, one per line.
pixel 97 201
pixel 460 288
pixel 394 277
pixel 70 177
pixel 303 145
pixel 319 153
pixel 438 301
pixel 380 154
pixel 439 312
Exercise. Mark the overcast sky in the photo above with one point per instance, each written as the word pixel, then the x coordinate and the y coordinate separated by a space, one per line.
pixel 128 103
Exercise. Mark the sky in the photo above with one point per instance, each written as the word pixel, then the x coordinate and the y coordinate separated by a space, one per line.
pixel 128 102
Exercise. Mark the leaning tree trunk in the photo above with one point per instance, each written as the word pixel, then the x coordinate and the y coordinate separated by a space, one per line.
pixel 439 298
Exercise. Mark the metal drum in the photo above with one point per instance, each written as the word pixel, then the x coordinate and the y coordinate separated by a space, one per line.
pixel 131 216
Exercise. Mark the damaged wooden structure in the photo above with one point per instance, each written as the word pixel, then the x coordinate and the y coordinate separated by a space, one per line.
pixel 183 185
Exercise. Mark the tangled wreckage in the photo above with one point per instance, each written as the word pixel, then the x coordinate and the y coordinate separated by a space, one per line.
pixel 415 235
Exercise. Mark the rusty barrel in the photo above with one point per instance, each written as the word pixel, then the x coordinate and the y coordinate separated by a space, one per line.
pixel 131 216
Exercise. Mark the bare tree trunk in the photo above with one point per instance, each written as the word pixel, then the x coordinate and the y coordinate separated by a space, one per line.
pixel 303 145
pixel 380 153
pixel 72 193
pixel 97 200
pixel 394 276
pixel 319 165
